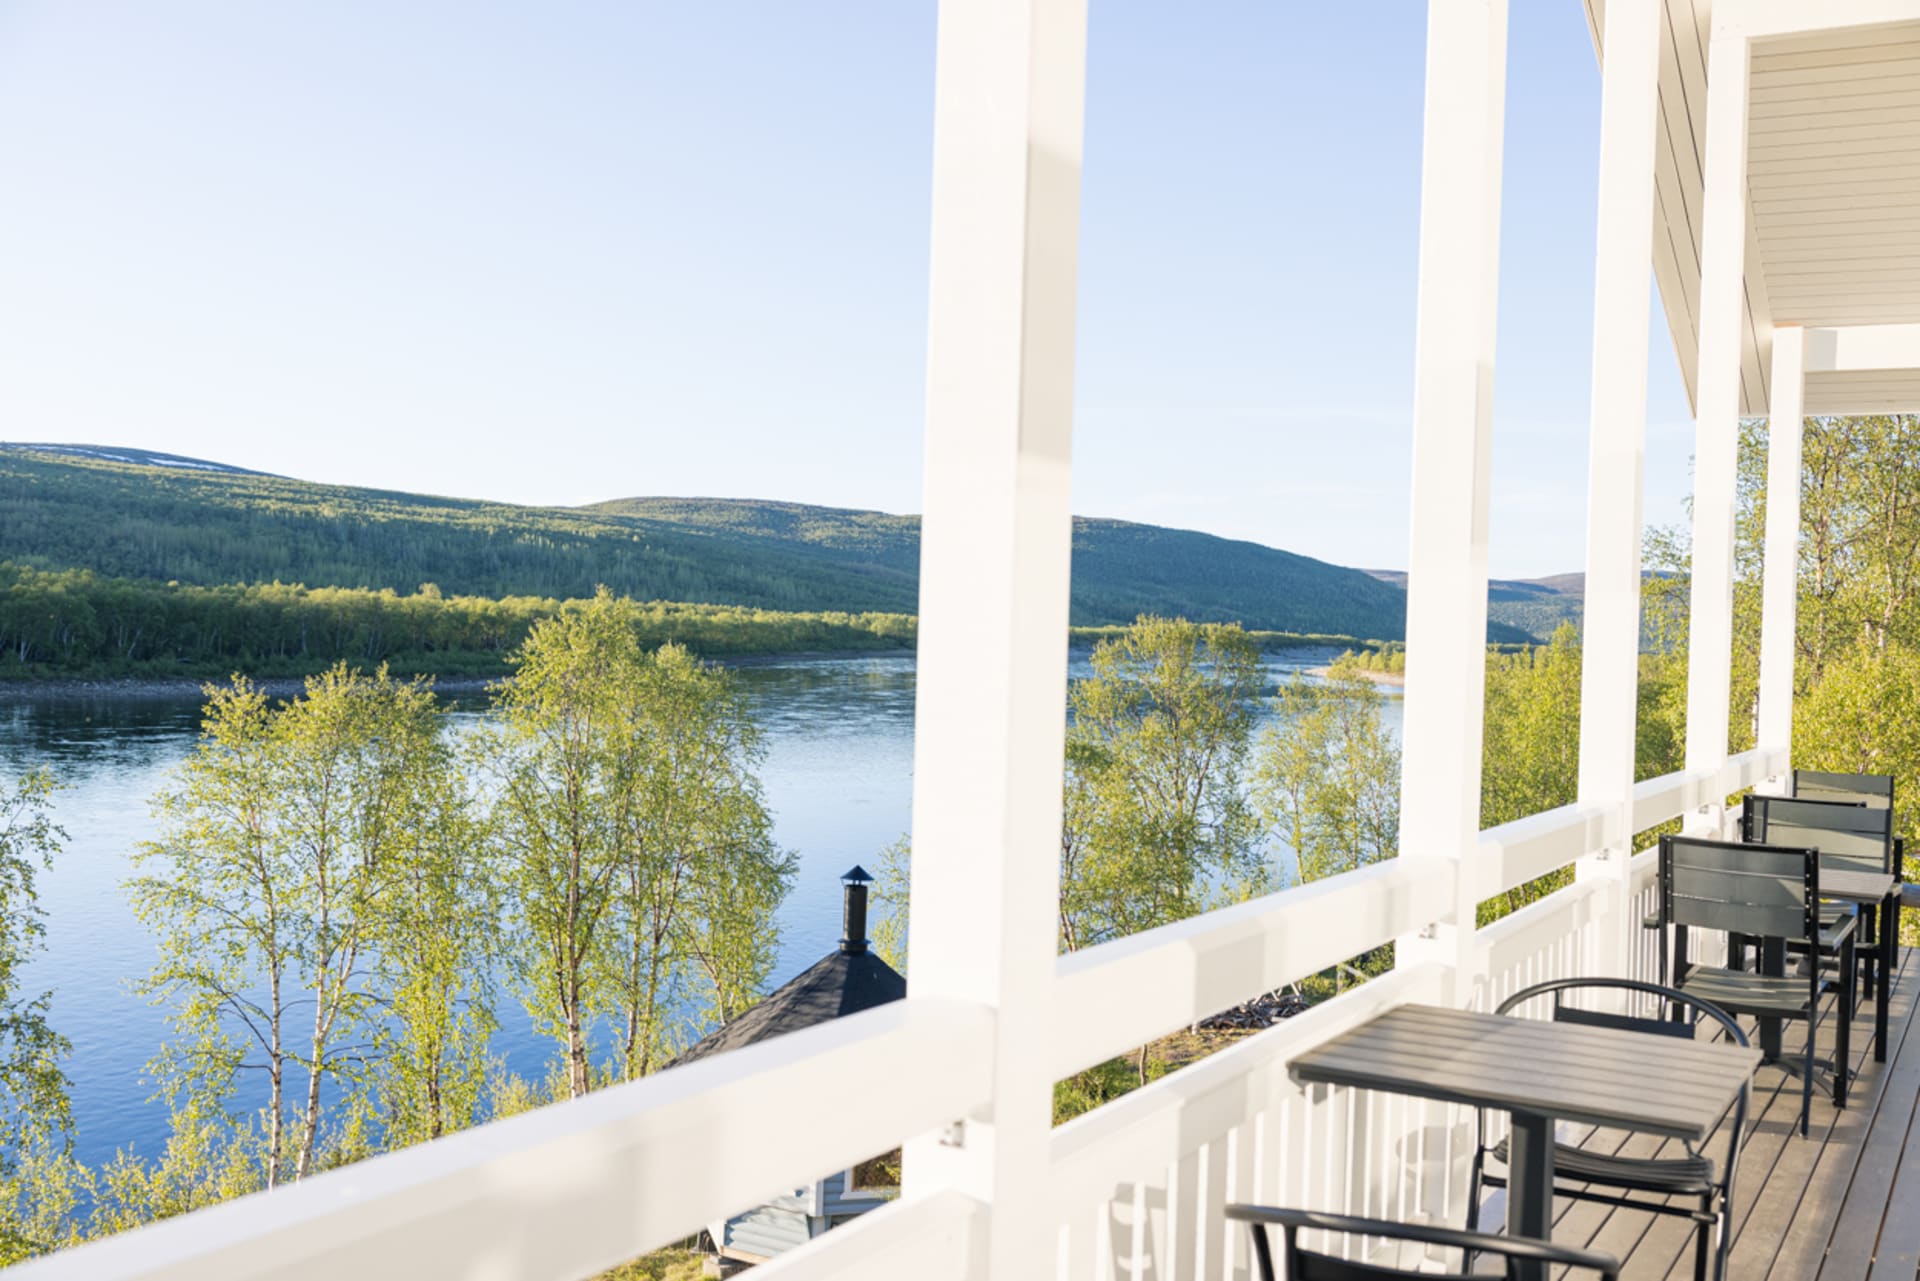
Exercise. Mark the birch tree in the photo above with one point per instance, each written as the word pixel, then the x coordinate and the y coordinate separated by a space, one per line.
pixel 1158 821
pixel 282 837
pixel 567 754
pixel 38 1189
pixel 1327 775
pixel 701 878
pixel 218 891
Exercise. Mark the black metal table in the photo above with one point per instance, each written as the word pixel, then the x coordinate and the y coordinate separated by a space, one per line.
pixel 1538 1073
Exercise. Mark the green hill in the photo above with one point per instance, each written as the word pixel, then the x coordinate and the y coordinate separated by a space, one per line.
pixel 133 515
pixel 1523 608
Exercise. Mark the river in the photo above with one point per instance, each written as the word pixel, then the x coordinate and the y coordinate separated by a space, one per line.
pixel 838 776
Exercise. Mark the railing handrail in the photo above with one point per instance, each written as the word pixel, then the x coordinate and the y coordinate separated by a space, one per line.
pixel 930 1238
pixel 1118 995
pixel 571 1189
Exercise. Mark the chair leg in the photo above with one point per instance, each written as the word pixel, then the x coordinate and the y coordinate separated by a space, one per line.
pixel 1702 1249
pixel 1473 1189
pixel 1806 1078
pixel 1869 959
pixel 1843 1050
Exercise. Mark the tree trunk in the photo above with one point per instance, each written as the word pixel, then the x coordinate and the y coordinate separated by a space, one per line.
pixel 578 1081
pixel 276 1106
pixel 310 1123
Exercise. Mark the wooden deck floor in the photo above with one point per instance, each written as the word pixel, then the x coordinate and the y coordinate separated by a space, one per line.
pixel 1842 1204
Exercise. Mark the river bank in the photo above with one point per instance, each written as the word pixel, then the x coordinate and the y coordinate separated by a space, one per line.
pixel 173 688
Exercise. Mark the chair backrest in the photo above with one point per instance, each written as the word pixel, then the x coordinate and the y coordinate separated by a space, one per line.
pixel 1675 1013
pixel 1767 891
pixel 1849 836
pixel 1873 790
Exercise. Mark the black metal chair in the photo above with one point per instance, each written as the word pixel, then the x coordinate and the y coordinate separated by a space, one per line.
pixel 1306 1265
pixel 1763 892
pixel 1875 791
pixel 1850 835
pixel 1669 1184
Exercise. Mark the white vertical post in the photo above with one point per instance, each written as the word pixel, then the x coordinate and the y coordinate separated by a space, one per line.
pixel 1617 452
pixel 1717 426
pixel 994 554
pixel 1785 419
pixel 1452 451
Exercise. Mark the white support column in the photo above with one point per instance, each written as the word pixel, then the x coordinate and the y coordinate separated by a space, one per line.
pixel 1717 427
pixel 1617 452
pixel 1781 584
pixel 991 707
pixel 1452 450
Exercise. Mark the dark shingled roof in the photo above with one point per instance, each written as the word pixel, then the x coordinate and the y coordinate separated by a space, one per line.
pixel 841 983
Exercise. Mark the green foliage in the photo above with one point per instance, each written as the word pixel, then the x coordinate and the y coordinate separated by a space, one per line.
pixel 1384 660
pixel 1863 717
pixel 1158 825
pixel 702 879
pixel 210 1157
pixel 209 528
pixel 436 958
pixel 888 903
pixel 74 623
pixel 1327 776
pixel 278 874
pixel 33 1085
pixel 1530 756
pixel 44 1193
pixel 1860 544
pixel 40 1184
pixel 632 837
pixel 661 1265
pixel 1100 1085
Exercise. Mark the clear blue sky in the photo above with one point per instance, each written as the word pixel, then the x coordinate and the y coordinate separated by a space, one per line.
pixel 563 252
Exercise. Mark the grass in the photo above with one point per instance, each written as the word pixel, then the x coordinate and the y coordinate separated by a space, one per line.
pixel 661 1265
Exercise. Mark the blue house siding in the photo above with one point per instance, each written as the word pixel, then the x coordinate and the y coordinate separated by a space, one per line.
pixel 837 1202
pixel 783 1223
pixel 767 1230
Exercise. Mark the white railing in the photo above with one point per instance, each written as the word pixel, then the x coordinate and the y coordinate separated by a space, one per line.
pixel 581 1186
pixel 1111 998
pixel 1136 1187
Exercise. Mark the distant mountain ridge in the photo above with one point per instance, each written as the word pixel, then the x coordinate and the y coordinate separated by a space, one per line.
pixel 1535 606
pixel 160 517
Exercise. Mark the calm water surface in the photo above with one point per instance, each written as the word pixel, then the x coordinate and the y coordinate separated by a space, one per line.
pixel 838 777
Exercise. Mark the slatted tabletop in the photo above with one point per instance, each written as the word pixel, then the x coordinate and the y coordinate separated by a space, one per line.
pixel 1855 887
pixel 1590 1075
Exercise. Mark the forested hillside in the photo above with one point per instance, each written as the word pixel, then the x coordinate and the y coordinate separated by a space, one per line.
pixel 1535 606
pixel 197 524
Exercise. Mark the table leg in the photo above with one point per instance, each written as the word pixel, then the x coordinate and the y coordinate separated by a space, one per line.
pixel 1889 927
pixel 1530 1186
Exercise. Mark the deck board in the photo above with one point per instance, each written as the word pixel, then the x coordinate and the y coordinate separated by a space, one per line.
pixel 1819 1206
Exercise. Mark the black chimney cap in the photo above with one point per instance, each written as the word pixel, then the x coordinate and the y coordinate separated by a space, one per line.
pixel 857 876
